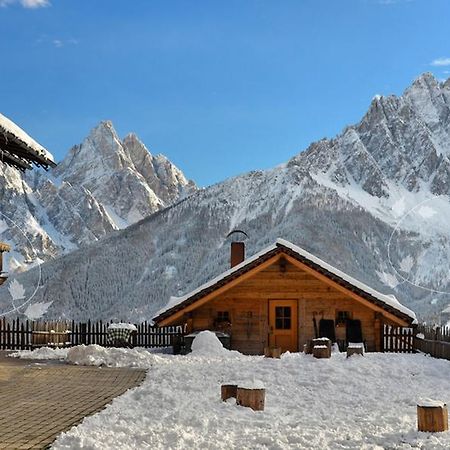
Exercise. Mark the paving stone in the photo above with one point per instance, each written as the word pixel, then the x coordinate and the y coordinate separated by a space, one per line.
pixel 39 402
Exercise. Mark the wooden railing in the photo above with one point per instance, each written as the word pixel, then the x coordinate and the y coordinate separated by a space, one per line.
pixel 397 339
pixel 26 335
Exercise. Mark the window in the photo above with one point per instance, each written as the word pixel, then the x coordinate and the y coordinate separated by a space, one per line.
pixel 223 316
pixel 343 316
pixel 283 317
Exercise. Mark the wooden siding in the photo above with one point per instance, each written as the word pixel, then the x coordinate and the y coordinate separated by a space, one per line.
pixel 247 304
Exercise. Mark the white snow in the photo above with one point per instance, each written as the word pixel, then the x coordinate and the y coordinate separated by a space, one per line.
pixel 10 127
pixel 122 326
pixel 356 403
pixel 430 403
pixel 95 355
pixel 355 345
pixel 206 343
pixel 389 300
pixel 41 353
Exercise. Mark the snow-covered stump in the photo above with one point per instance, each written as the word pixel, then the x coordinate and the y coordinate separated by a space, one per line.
pixel 228 391
pixel 355 349
pixel 321 351
pixel 319 344
pixel 272 352
pixel 432 416
pixel 251 398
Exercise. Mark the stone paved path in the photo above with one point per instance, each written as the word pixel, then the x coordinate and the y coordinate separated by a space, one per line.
pixel 41 399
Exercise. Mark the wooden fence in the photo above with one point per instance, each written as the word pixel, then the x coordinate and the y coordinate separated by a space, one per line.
pixel 397 339
pixel 434 341
pixel 26 335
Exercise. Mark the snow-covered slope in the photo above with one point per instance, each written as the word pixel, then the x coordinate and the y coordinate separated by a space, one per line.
pixel 103 184
pixel 373 202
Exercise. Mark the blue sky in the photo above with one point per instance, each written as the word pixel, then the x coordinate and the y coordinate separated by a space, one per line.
pixel 220 87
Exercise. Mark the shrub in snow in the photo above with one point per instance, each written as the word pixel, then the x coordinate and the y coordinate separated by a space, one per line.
pixel 206 343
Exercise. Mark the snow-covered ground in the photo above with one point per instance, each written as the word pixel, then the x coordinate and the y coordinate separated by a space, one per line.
pixel 363 402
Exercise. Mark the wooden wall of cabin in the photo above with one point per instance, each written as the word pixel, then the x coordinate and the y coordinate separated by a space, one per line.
pixel 247 305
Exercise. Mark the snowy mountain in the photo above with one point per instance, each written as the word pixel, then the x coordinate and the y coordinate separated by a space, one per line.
pixel 373 201
pixel 103 184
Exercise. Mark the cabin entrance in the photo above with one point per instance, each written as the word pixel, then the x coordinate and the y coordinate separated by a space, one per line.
pixel 283 325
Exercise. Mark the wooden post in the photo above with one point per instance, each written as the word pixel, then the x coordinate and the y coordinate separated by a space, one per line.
pixel 228 391
pixel 432 417
pixel 378 332
pixel 251 398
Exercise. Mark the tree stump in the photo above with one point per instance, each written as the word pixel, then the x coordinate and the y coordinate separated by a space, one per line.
pixel 432 416
pixel 272 352
pixel 228 391
pixel 355 351
pixel 251 398
pixel 321 342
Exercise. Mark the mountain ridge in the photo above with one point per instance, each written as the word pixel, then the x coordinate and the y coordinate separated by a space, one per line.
pixel 372 201
pixel 101 185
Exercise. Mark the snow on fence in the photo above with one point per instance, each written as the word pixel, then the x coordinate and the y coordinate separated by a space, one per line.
pixel 26 335
pixel 398 339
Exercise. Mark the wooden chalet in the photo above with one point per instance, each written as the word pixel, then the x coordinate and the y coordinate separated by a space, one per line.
pixel 19 150
pixel 3 248
pixel 283 297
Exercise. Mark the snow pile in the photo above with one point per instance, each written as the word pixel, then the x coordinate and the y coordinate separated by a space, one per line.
pixel 95 355
pixel 122 326
pixel 352 403
pixel 41 353
pixel 206 343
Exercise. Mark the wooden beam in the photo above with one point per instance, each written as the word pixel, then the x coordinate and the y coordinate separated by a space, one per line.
pixel 239 279
pixel 346 291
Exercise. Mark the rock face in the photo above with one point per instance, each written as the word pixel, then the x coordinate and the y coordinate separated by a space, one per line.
pixel 373 201
pixel 103 184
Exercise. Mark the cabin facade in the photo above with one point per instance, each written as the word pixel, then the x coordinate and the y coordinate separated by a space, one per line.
pixel 284 297
pixel 3 248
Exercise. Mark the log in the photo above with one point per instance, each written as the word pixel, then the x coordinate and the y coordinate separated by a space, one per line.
pixel 251 398
pixel 432 416
pixel 321 351
pixel 272 352
pixel 228 391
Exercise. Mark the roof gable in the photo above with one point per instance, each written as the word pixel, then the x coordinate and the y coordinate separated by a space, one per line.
pixel 281 246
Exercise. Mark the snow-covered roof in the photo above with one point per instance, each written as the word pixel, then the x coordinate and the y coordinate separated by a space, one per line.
pixel 387 300
pixel 19 149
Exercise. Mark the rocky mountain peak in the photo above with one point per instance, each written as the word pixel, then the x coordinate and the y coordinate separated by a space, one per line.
pixel 103 184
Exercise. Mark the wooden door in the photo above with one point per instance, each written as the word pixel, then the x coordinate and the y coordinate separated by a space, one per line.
pixel 283 325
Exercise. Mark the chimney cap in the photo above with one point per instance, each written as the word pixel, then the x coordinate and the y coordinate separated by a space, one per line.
pixel 237 232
